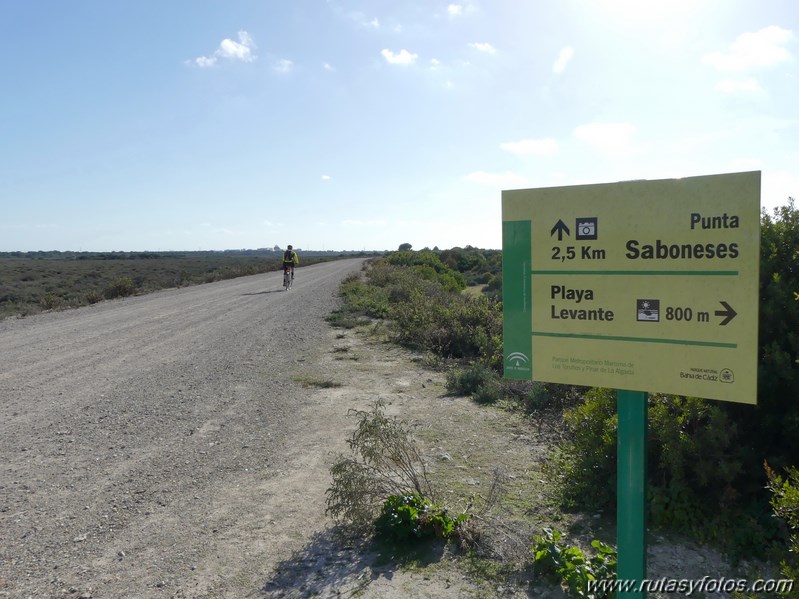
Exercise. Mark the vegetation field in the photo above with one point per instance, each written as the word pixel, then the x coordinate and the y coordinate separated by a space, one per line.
pixel 35 281
pixel 722 473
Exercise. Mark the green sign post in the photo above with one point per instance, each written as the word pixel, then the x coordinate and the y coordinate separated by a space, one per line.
pixel 645 286
pixel 631 487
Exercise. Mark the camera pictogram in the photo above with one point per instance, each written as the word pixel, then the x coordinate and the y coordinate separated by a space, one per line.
pixel 586 228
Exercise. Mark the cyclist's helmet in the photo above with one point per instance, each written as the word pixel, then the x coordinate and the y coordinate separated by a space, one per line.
pixel 290 247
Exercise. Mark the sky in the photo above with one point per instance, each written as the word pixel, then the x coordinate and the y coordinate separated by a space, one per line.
pixel 364 124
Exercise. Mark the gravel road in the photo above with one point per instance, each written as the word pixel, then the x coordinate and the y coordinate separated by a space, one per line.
pixel 143 440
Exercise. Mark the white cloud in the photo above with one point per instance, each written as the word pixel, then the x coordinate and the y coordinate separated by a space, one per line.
pixel 506 179
pixel 328 67
pixel 762 48
pixel 537 147
pixel 241 50
pixel 374 24
pixel 737 86
pixel 404 57
pixel 326 177
pixel 205 61
pixel 483 47
pixel 230 50
pixel 282 65
pixel 455 10
pixel 608 138
pixel 563 60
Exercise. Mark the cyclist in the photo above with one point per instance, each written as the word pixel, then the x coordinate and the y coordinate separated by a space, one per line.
pixel 290 260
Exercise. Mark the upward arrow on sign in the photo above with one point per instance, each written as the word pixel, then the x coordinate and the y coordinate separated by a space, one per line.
pixel 559 228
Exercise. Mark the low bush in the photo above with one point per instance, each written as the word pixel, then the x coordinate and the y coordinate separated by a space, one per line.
pixel 468 380
pixel 490 392
pixel 584 467
pixel 383 462
pixel 694 463
pixel 785 503
pixel 531 397
pixel 50 301
pixel 411 517
pixel 363 298
pixel 119 287
pixel 457 326
pixel 427 265
pixel 94 297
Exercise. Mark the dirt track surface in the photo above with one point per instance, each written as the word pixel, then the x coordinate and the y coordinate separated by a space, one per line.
pixel 153 446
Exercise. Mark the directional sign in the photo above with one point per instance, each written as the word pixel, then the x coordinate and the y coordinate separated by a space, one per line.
pixel 638 285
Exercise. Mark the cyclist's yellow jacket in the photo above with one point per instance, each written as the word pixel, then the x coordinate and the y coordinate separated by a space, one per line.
pixel 294 258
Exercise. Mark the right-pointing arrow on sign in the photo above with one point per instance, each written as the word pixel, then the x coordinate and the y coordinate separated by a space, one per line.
pixel 728 313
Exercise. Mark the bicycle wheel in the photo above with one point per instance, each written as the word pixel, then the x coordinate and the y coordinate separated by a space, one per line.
pixel 287 280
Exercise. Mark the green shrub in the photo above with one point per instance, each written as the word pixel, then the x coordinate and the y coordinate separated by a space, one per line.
pixel 51 301
pixel 584 466
pixel 119 287
pixel 785 503
pixel 489 392
pixel 530 396
pixel 453 326
pixel 771 429
pixel 409 517
pixel 363 298
pixel 426 264
pixel 696 461
pixel 383 461
pixel 93 297
pixel 485 386
pixel 468 380
pixel 572 567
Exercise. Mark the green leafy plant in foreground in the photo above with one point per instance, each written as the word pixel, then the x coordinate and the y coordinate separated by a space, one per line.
pixel 406 518
pixel 572 567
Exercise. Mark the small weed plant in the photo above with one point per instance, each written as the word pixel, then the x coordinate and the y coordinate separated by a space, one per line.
pixel 571 567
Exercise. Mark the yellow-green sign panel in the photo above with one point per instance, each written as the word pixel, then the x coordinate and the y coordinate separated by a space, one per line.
pixel 638 285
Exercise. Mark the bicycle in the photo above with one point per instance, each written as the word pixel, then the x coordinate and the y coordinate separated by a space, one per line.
pixel 288 278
